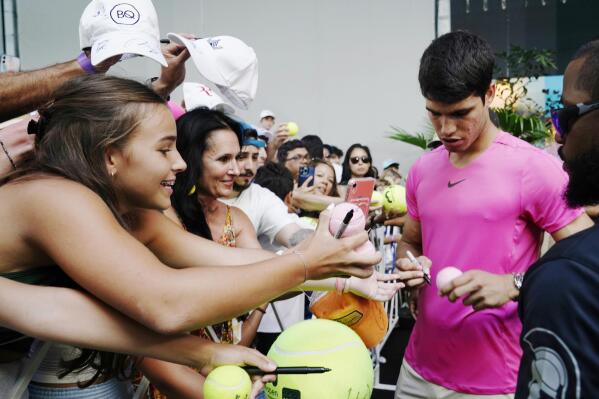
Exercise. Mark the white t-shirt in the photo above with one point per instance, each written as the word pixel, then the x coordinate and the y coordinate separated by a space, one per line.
pixel 267 212
pixel 290 310
pixel 269 215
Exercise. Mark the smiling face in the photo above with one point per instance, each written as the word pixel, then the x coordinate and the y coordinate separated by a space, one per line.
pixel 580 149
pixel 247 160
pixel 359 162
pixel 219 165
pixel 461 124
pixel 324 179
pixel 144 169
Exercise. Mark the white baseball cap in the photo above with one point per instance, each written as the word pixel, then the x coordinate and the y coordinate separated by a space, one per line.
pixel 266 113
pixel 112 27
pixel 199 95
pixel 227 62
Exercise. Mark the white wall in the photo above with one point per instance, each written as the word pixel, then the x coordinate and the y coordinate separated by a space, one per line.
pixel 344 69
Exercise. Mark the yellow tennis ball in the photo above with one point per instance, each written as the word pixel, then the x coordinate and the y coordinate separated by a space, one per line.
pixel 227 382
pixel 292 128
pixel 377 199
pixel 394 199
pixel 321 343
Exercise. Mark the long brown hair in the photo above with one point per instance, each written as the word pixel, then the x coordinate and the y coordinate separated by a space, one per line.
pixel 89 114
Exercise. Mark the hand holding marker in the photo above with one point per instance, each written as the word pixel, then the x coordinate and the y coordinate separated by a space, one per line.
pixel 252 370
pixel 348 217
pixel 426 275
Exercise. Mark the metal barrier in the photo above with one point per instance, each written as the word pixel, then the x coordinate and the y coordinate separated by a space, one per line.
pixel 387 265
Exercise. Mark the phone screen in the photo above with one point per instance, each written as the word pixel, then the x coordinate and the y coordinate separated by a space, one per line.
pixel 359 193
pixel 304 173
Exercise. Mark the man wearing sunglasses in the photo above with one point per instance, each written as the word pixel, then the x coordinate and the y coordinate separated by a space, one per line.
pixel 559 301
pixel 479 203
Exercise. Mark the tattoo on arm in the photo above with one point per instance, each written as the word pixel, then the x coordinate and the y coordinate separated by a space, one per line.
pixel 300 236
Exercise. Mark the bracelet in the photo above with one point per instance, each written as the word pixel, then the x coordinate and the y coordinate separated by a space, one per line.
pixel 260 310
pixel 301 256
pixel 8 155
pixel 86 64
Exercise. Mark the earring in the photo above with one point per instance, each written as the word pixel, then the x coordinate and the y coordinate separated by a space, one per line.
pixel 112 173
pixel 192 191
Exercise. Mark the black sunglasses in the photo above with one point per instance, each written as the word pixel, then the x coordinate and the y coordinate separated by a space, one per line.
pixel 355 160
pixel 564 118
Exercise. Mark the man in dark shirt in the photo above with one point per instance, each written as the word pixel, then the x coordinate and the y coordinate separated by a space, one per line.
pixel 559 299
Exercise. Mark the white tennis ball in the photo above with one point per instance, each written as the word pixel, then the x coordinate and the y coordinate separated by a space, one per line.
pixel 356 224
pixel 446 276
pixel 227 382
pixel 321 343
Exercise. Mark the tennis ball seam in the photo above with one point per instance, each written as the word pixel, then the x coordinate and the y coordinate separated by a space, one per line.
pixel 317 352
pixel 229 387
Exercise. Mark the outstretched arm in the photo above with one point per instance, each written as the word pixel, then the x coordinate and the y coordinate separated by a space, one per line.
pixel 23 92
pixel 75 318
pixel 112 265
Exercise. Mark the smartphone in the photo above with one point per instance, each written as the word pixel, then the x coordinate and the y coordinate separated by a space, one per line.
pixel 304 173
pixel 359 193
pixel 10 63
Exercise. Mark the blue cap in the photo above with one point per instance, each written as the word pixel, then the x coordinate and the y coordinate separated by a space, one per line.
pixel 255 142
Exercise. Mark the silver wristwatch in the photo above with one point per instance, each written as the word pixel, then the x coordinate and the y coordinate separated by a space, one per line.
pixel 518 279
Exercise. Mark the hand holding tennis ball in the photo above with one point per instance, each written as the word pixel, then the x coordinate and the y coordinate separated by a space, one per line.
pixel 227 382
pixel 292 129
pixel 446 276
pixel 355 225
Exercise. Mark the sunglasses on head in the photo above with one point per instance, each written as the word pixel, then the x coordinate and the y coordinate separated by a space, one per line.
pixel 564 118
pixel 355 160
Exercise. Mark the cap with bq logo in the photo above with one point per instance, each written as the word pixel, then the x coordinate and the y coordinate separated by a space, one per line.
pixel 113 27
pixel 227 62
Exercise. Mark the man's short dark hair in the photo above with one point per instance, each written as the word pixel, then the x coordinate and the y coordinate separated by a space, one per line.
pixel 286 147
pixel 276 178
pixel 455 66
pixel 588 77
pixel 336 151
pixel 314 146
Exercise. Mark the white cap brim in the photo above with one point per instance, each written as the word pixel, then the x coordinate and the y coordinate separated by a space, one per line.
pixel 115 43
pixel 200 49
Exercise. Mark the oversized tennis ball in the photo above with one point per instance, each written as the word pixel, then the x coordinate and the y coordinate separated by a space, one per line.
pixel 321 343
pixel 356 224
pixel 227 382
pixel 394 199
pixel 446 275
pixel 292 128
pixel 377 199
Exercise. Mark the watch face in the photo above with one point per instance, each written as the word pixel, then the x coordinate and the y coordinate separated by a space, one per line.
pixel 518 279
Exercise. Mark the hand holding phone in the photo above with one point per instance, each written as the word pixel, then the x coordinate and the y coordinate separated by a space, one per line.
pixel 304 173
pixel 359 193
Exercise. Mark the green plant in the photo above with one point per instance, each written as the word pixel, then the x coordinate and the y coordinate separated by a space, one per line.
pixel 519 114
pixel 420 139
pixel 533 128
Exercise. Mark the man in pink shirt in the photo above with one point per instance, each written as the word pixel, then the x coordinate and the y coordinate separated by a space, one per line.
pixel 479 203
